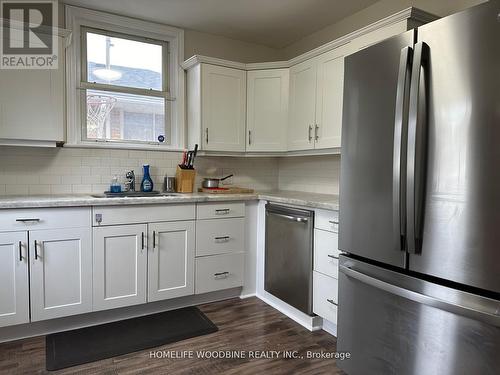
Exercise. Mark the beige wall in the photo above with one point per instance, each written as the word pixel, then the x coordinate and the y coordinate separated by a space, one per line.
pixel 196 43
pixel 371 14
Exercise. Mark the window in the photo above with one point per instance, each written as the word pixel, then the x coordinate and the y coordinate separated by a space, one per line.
pixel 127 82
pixel 125 88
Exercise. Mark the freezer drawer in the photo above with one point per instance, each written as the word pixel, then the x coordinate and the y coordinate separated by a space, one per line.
pixel 396 324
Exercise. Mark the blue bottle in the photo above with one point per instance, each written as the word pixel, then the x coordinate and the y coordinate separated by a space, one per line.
pixel 147 182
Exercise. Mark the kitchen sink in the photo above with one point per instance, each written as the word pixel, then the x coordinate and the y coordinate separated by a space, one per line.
pixel 133 194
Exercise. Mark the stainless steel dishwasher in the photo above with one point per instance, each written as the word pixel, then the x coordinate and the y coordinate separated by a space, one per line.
pixel 289 255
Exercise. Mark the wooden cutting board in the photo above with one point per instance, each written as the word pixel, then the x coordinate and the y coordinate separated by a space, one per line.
pixel 228 190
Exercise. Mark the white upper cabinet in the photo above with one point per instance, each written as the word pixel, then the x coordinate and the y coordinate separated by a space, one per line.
pixel 267 110
pixel 32 104
pixel 61 272
pixel 171 260
pixel 217 108
pixel 14 290
pixel 329 100
pixel 316 100
pixel 303 78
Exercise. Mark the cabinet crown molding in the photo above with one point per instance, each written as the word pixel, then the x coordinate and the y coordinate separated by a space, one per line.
pixel 412 13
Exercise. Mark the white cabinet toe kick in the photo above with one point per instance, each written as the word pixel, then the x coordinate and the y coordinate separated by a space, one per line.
pixel 87 262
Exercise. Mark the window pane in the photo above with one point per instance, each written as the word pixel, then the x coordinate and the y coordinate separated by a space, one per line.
pixel 125 117
pixel 124 62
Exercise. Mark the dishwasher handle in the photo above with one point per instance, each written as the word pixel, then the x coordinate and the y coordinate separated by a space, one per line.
pixel 290 217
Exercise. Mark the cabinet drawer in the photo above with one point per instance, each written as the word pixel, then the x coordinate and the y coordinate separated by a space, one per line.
pixel 115 215
pixel 327 220
pixel 220 236
pixel 220 210
pixel 44 218
pixel 219 272
pixel 325 296
pixel 326 252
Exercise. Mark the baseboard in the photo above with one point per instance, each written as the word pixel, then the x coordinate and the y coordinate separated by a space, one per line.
pixel 330 327
pixel 245 296
pixel 46 327
pixel 312 323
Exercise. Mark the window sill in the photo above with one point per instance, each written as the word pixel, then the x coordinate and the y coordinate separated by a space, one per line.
pixel 123 146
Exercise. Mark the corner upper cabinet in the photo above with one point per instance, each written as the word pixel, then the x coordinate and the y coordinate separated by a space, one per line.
pixel 216 108
pixel 32 104
pixel 302 105
pixel 267 110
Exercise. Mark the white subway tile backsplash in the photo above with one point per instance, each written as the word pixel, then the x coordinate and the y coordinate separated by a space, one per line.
pixel 69 170
pixel 74 171
pixel 314 174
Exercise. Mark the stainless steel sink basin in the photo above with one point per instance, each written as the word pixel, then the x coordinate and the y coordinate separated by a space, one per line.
pixel 133 194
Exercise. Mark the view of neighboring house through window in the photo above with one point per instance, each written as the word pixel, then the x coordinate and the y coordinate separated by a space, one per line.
pixel 125 88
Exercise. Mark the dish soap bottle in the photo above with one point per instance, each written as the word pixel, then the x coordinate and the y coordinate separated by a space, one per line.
pixel 147 182
pixel 115 186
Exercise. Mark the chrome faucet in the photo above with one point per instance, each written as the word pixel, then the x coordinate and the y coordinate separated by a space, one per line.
pixel 130 181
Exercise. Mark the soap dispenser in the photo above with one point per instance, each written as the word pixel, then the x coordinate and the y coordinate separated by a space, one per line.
pixel 147 182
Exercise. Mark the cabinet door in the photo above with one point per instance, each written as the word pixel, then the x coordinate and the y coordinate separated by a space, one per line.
pixel 267 110
pixel 14 291
pixel 120 262
pixel 171 260
pixel 223 108
pixel 302 105
pixel 329 101
pixel 40 90
pixel 61 272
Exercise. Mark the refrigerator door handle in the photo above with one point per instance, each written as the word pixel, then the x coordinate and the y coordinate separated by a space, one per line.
pixel 475 312
pixel 416 155
pixel 399 151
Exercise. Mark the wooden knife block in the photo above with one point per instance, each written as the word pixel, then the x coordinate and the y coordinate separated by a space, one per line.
pixel 184 180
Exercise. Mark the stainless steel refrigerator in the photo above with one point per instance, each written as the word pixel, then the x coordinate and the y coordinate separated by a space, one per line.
pixel 419 286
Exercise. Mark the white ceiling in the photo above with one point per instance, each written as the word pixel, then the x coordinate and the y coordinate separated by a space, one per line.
pixel 274 23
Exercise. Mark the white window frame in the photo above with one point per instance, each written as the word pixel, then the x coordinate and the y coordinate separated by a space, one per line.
pixel 80 19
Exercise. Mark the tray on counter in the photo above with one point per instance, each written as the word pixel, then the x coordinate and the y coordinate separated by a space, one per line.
pixel 226 190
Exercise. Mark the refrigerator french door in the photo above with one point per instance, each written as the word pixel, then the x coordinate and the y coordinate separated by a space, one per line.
pixel 420 198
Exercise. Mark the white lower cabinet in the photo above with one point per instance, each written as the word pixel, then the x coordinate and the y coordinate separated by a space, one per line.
pixel 326 255
pixel 218 272
pixel 325 296
pixel 53 263
pixel 14 290
pixel 220 236
pixel 171 260
pixel 120 265
pixel 61 272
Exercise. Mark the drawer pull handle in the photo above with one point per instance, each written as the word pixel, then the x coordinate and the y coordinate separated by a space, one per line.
pixel 154 239
pixel 222 211
pixel 331 301
pixel 332 256
pixel 221 275
pixel 27 220
pixel 222 239
pixel 20 251
pixel 333 222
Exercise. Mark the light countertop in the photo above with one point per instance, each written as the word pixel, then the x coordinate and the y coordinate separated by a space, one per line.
pixel 311 200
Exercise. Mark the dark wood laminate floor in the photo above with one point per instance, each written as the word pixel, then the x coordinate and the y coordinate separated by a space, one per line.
pixel 247 325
